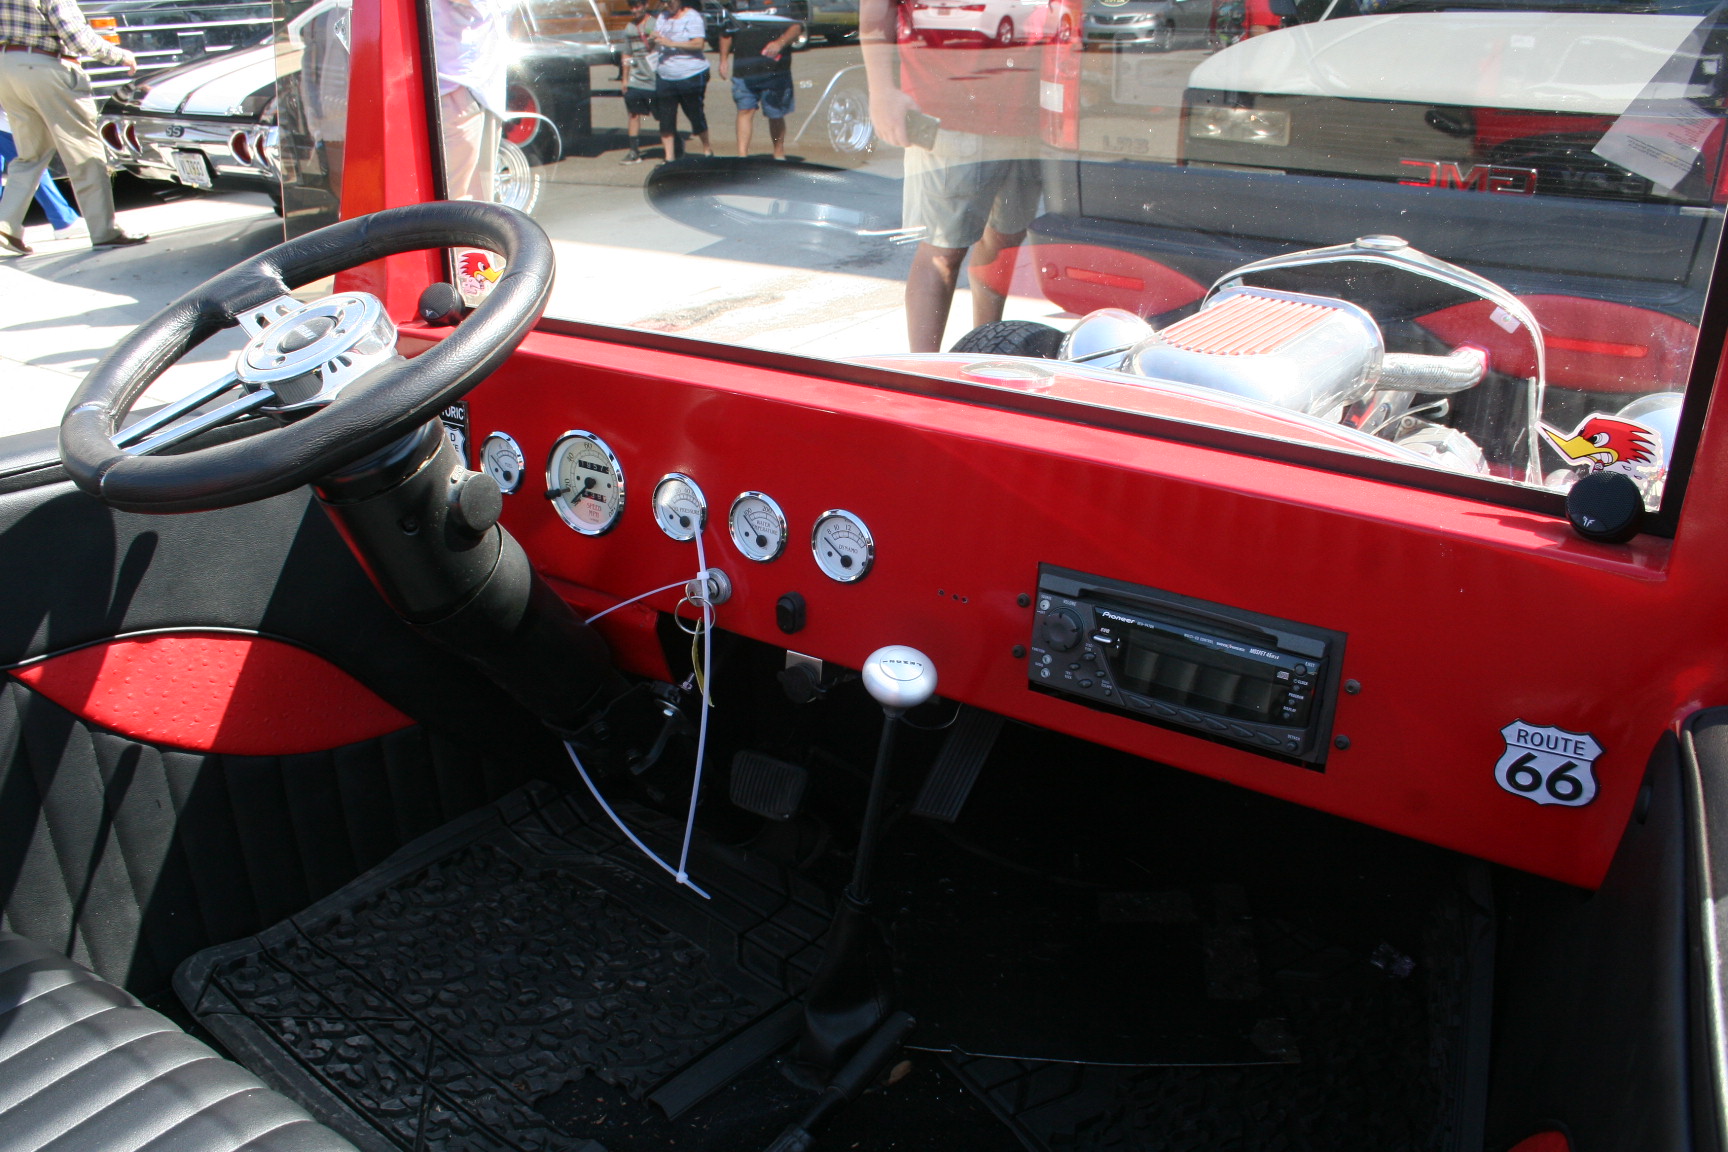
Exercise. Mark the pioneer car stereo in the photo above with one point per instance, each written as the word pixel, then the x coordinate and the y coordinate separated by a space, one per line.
pixel 1235 676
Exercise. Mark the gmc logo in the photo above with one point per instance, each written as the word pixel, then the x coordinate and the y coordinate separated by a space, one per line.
pixel 1476 178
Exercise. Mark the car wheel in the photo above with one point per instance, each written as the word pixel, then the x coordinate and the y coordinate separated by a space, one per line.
pixel 529 125
pixel 1012 338
pixel 1005 32
pixel 1065 33
pixel 1163 37
pixel 803 40
pixel 849 128
pixel 517 184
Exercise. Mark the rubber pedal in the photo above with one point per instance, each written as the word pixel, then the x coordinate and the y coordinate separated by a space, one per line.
pixel 770 788
pixel 963 753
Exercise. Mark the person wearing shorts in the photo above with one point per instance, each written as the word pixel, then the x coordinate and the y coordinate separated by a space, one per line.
pixel 972 181
pixel 756 47
pixel 636 77
pixel 681 74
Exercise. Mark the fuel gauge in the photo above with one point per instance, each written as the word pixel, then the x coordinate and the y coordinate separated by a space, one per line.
pixel 679 506
pixel 501 458
pixel 843 545
pixel 758 526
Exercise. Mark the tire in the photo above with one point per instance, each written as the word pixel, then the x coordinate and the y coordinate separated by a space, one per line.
pixel 1004 33
pixel 803 40
pixel 850 131
pixel 531 126
pixel 1012 338
pixel 517 184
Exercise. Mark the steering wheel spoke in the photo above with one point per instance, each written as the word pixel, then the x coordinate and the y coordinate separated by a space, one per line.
pixel 159 430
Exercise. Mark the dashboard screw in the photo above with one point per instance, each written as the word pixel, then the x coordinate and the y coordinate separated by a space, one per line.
pixel 1019 651
pixel 1340 742
pixel 1352 686
pixel 1023 600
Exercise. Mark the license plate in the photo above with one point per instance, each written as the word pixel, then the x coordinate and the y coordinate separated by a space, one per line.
pixel 193 168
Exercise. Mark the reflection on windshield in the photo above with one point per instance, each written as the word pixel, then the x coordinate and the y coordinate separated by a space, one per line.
pixel 1472 237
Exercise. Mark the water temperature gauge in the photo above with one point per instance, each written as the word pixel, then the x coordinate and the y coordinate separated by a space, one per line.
pixel 843 545
pixel 679 506
pixel 758 526
pixel 501 458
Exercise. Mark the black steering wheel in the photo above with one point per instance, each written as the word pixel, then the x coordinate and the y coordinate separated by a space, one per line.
pixel 329 370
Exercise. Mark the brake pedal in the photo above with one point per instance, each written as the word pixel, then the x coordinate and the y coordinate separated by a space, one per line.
pixel 963 753
pixel 773 789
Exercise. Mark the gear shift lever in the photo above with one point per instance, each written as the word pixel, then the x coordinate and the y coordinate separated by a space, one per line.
pixel 853 990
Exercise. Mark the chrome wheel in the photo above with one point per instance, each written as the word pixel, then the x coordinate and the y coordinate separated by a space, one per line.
pixel 849 127
pixel 517 184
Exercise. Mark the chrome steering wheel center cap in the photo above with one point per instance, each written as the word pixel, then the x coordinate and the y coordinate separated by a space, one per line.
pixel 307 353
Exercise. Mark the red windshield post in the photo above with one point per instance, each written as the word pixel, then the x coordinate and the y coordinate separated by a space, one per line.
pixel 390 161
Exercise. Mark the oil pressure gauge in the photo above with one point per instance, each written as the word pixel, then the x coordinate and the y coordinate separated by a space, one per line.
pixel 843 545
pixel 585 483
pixel 679 506
pixel 758 526
pixel 501 458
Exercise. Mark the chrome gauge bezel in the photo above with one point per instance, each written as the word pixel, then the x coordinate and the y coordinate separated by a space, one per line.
pixel 843 575
pixel 683 535
pixel 509 442
pixel 561 504
pixel 782 533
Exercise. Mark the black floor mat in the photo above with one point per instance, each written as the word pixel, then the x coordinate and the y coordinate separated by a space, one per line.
pixel 435 1001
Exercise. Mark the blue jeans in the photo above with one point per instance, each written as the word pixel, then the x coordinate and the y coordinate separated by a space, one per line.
pixel 60 213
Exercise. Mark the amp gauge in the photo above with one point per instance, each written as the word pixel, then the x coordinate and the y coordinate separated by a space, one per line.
pixel 501 458
pixel 585 483
pixel 758 526
pixel 679 506
pixel 843 545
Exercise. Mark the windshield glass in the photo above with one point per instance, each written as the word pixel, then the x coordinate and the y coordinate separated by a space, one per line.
pixel 1473 238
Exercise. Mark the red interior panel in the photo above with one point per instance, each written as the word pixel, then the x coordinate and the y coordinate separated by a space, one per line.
pixel 212 692
pixel 1461 617
pixel 1593 345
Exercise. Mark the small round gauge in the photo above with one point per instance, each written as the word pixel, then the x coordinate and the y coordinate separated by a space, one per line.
pixel 843 545
pixel 501 458
pixel 758 526
pixel 679 506
pixel 585 483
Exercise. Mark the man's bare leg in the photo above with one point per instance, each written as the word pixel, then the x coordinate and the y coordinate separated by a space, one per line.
pixel 777 133
pixel 929 293
pixel 987 303
pixel 668 142
pixel 746 125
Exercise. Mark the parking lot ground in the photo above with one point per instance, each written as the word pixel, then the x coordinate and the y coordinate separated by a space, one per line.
pixel 65 306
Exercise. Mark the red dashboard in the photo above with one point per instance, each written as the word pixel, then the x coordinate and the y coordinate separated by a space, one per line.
pixel 1461 617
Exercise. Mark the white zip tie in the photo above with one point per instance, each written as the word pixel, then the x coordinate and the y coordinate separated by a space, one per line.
pixel 633 599
pixel 676 873
pixel 707 686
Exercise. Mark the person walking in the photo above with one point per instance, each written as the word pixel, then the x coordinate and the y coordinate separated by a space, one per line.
pixel 636 77
pixel 61 216
pixel 52 108
pixel 756 46
pixel 681 73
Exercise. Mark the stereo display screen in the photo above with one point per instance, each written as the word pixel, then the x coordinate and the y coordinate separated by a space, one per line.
pixel 1176 670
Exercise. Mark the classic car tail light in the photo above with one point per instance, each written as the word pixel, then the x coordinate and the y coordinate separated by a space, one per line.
pixel 1593 345
pixel 111 136
pixel 265 147
pixel 130 134
pixel 241 146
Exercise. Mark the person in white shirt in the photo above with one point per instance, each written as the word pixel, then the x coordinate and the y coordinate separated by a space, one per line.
pixel 470 41
pixel 681 36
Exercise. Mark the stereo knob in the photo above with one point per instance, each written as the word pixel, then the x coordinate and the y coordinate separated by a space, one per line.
pixel 1061 629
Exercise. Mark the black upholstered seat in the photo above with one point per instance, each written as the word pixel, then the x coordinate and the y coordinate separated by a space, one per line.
pixel 84 1067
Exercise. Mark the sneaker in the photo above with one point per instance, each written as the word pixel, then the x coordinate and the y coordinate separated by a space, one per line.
pixel 120 240
pixel 69 231
pixel 633 157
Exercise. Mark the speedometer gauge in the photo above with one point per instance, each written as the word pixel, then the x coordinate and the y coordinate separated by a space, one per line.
pixel 679 506
pixel 501 458
pixel 758 526
pixel 585 483
pixel 843 545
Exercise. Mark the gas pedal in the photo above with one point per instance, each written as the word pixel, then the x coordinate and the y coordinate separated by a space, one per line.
pixel 770 788
pixel 951 778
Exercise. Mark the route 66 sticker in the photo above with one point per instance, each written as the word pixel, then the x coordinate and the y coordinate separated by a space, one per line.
pixel 1548 765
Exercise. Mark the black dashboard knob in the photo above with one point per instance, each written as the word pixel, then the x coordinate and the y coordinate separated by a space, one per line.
pixel 475 503
pixel 789 613
pixel 1061 629
pixel 1605 506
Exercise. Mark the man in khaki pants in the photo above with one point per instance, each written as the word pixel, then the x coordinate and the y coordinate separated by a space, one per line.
pixel 48 97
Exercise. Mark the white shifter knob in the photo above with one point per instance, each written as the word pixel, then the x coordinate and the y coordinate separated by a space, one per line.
pixel 899 677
